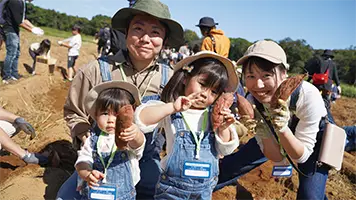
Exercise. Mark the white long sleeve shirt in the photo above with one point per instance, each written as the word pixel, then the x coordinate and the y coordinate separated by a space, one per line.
pixel 195 120
pixel 310 109
pixel 85 154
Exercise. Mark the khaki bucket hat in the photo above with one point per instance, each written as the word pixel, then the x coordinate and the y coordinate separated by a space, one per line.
pixel 233 78
pixel 92 96
pixel 268 50
pixel 150 7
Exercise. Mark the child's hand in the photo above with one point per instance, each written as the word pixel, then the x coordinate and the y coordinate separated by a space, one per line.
pixel 130 133
pixel 183 103
pixel 93 178
pixel 229 119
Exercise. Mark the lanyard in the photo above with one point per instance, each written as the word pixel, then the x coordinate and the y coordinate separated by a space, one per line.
pixel 112 154
pixel 124 77
pixel 201 134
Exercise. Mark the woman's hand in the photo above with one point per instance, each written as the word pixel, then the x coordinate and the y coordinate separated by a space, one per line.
pixel 280 116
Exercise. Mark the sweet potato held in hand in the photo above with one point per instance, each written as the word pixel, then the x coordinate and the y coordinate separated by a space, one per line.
pixel 286 88
pixel 224 101
pixel 244 107
pixel 124 120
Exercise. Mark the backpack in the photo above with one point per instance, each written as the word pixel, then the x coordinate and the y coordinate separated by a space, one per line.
pixel 2 8
pixel 117 41
pixel 322 77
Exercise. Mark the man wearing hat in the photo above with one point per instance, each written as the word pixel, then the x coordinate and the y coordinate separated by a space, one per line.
pixel 148 27
pixel 214 39
pixel 324 65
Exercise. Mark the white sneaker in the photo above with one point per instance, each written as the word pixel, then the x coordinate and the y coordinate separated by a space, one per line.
pixel 33 73
pixel 5 82
pixel 13 78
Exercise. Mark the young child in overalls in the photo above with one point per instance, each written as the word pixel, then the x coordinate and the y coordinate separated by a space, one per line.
pixel 110 173
pixel 190 168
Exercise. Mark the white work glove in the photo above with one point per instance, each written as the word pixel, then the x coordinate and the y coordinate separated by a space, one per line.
pixel 37 31
pixel 339 89
pixel 280 116
pixel 60 43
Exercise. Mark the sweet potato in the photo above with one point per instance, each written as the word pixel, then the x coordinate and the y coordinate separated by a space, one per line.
pixel 224 101
pixel 124 119
pixel 244 107
pixel 286 88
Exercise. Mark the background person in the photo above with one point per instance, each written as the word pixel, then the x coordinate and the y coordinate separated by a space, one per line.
pixel 14 16
pixel 214 39
pixel 39 49
pixel 73 44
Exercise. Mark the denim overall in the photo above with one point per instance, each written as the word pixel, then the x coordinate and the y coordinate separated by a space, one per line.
pixel 118 173
pixel 172 184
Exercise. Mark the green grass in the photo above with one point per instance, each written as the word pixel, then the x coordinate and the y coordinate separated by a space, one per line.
pixel 348 90
pixel 65 34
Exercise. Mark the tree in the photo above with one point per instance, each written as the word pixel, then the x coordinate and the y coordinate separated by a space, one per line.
pixel 190 36
pixel 238 48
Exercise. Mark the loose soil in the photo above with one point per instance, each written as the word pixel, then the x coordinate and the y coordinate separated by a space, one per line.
pixel 40 99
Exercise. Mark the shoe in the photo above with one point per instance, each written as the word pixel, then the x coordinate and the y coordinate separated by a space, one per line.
pixel 6 82
pixel 13 78
pixel 33 73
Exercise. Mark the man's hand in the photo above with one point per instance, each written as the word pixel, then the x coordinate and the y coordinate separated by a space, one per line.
pixel 25 126
pixel 339 89
pixel 37 31
pixel 280 116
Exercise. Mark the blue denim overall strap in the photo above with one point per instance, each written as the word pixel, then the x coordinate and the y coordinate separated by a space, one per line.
pixel 104 69
pixel 118 174
pixel 164 75
pixel 183 150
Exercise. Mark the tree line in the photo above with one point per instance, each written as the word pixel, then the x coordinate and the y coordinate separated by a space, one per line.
pixel 298 51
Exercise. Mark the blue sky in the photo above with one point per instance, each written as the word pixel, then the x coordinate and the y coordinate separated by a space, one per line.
pixel 322 23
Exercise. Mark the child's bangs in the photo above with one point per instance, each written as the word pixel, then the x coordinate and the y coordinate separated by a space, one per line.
pixel 113 100
pixel 215 73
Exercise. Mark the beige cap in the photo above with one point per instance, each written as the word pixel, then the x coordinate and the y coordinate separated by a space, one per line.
pixel 268 50
pixel 92 96
pixel 233 79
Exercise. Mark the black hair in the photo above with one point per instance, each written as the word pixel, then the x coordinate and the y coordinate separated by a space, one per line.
pixel 262 64
pixel 113 99
pixel 76 27
pixel 217 77
pixel 205 29
pixel 45 46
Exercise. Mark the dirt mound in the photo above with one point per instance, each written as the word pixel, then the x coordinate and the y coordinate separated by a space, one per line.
pixel 40 100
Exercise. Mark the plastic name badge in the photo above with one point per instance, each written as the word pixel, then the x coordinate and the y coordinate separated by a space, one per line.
pixel 196 170
pixel 103 192
pixel 282 171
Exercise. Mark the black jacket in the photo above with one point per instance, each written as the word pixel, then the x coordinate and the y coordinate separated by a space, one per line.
pixel 14 15
pixel 319 65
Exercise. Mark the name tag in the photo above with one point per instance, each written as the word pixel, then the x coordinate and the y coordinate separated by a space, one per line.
pixel 103 192
pixel 196 170
pixel 282 171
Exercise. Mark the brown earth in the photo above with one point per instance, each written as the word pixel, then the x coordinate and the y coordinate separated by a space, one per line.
pixel 40 100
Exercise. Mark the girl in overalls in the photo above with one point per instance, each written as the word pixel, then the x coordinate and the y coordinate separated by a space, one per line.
pixel 107 171
pixel 190 168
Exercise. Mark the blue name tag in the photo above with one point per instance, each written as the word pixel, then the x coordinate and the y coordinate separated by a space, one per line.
pixel 196 169
pixel 103 192
pixel 282 171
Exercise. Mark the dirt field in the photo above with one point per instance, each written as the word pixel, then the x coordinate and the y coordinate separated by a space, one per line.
pixel 40 100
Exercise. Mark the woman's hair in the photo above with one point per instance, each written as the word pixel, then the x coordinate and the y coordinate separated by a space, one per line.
pixel 45 46
pixel 216 77
pixel 113 99
pixel 76 27
pixel 261 63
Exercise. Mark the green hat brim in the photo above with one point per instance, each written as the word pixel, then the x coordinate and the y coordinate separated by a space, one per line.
pixel 121 19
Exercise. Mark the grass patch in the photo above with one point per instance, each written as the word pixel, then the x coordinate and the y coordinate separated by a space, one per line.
pixel 348 90
pixel 65 34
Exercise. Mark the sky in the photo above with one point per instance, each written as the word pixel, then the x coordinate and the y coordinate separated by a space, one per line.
pixel 324 24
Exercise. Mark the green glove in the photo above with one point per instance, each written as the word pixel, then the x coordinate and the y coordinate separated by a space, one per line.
pixel 280 116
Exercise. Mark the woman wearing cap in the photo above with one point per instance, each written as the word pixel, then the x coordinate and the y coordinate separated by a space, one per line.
pixel 148 27
pixel 264 68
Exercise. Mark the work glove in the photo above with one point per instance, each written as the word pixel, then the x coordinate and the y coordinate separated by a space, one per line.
pixel 249 123
pixel 280 116
pixel 60 43
pixel 37 31
pixel 25 126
